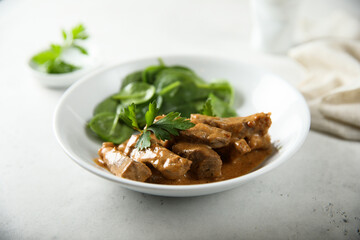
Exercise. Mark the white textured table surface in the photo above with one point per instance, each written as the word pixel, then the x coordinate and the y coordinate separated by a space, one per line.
pixel 44 195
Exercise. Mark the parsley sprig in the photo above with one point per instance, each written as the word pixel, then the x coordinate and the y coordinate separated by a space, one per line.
pixel 163 129
pixel 50 60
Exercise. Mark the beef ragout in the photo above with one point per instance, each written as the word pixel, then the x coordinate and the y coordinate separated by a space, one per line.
pixel 215 149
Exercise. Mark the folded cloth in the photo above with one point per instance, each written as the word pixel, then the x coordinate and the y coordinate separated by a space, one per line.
pixel 335 24
pixel 332 85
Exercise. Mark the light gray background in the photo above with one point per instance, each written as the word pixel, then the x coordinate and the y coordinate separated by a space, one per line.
pixel 44 195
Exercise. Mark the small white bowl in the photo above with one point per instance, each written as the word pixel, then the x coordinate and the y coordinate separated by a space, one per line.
pixel 88 63
pixel 62 80
pixel 256 91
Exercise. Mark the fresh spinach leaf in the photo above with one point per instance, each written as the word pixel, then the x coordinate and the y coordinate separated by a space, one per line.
pixel 221 108
pixel 172 87
pixel 223 90
pixel 107 105
pixel 208 108
pixel 149 73
pixel 183 68
pixel 178 86
pixel 136 92
pixel 103 125
pixel 185 108
pixel 131 78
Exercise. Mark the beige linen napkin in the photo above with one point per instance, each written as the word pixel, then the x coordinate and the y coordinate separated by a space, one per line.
pixel 336 24
pixel 332 85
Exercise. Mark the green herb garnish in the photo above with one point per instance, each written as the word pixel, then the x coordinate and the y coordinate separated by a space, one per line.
pixel 50 61
pixel 163 129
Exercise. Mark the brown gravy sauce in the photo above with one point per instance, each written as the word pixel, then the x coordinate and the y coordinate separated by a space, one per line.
pixel 237 166
pixel 101 163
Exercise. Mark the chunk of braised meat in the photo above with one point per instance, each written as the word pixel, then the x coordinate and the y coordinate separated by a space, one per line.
pixel 259 142
pixel 171 165
pixel 205 161
pixel 203 133
pixel 130 144
pixel 242 146
pixel 240 127
pixel 248 133
pixel 121 165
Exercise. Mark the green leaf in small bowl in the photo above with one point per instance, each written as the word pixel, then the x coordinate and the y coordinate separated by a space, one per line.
pixel 79 32
pixel 52 61
pixel 81 49
pixel 47 55
pixel 59 66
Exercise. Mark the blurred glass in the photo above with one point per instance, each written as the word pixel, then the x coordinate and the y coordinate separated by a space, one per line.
pixel 273 23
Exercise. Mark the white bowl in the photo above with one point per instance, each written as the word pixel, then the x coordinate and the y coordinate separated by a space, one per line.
pixel 256 91
pixel 62 80
pixel 87 63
